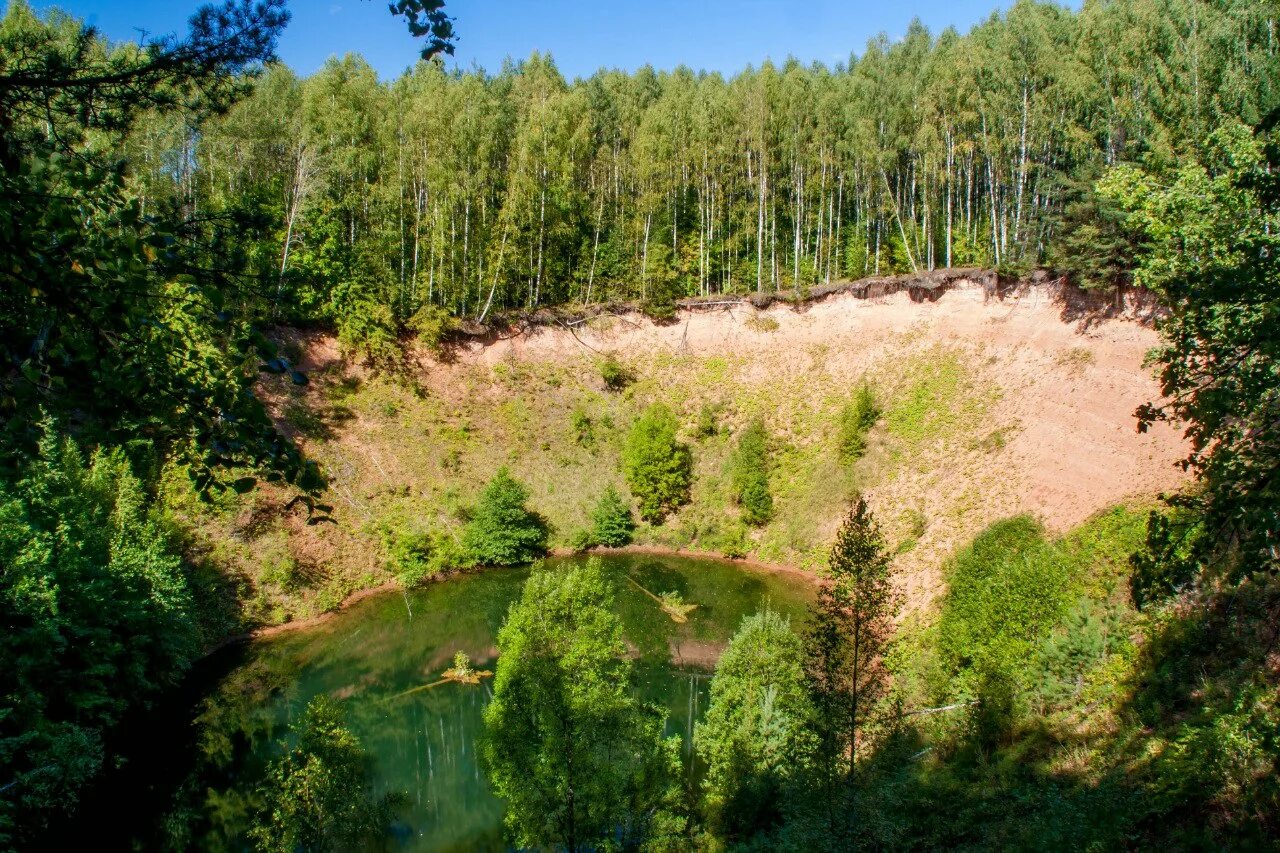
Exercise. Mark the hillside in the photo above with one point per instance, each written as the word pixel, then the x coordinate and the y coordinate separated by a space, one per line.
pixel 993 406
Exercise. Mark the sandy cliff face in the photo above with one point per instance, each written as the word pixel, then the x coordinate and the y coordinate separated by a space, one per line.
pixel 993 406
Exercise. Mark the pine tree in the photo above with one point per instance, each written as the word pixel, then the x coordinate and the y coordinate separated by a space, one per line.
pixel 851 624
pixel 502 530
pixel 612 524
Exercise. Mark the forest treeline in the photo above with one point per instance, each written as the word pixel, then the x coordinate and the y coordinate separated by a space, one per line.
pixel 475 191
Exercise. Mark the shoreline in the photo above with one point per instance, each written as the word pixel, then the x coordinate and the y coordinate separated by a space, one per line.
pixel 266 631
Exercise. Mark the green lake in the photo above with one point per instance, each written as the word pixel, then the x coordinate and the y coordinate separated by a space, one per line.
pixel 423 742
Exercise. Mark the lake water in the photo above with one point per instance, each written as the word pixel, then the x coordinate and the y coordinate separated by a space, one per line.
pixel 423 743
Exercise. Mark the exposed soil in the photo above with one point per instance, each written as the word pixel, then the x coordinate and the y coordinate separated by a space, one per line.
pixel 1043 422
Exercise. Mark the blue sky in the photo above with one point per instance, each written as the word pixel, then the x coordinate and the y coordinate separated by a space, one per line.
pixel 583 35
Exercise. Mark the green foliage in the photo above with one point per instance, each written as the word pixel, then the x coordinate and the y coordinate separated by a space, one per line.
pixel 367 331
pixel 432 325
pixel 583 429
pixel 756 728
pixel 576 758
pixel 415 556
pixel 1005 593
pixel 614 372
pixel 708 420
pixel 750 475
pixel 317 796
pixel 932 403
pixel 96 621
pixel 502 531
pixel 123 318
pixel 856 420
pixel 850 626
pixel 658 468
pixel 1096 249
pixel 1212 230
pixel 612 524
pixel 1089 633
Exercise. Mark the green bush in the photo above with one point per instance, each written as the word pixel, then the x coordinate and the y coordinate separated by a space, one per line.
pixel 657 466
pixel 582 539
pixel 584 432
pixel 432 325
pixel 857 419
pixel 1007 591
pixel 611 520
pixel 614 373
pixel 750 475
pixel 729 539
pixel 708 420
pixel 97 620
pixel 319 795
pixel 422 555
pixel 502 531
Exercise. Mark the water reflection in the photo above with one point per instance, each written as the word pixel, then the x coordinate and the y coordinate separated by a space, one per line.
pixel 383 658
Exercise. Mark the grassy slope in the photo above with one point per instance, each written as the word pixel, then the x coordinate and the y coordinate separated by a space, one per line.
pixel 410 454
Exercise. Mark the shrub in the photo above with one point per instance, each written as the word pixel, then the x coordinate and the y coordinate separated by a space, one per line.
pixel 420 556
pixel 582 539
pixel 97 621
pixel 758 323
pixel 502 530
pixel 729 540
pixel 657 466
pixel 583 430
pixel 857 419
pixel 614 373
pixel 432 324
pixel 750 475
pixel 367 330
pixel 319 795
pixel 611 520
pixel 661 308
pixel 1007 591
pixel 708 420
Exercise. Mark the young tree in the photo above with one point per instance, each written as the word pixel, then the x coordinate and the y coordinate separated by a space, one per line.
pixel 657 466
pixel 317 795
pixel 577 759
pixel 851 624
pixel 611 520
pixel 750 469
pixel 752 739
pixel 502 530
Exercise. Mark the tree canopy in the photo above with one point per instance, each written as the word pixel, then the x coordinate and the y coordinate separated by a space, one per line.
pixel 577 759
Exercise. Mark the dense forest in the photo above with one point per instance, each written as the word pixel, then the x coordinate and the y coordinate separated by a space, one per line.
pixel 479 191
pixel 167 207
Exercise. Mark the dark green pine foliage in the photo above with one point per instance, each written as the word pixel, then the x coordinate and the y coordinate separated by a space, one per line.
pixel 317 795
pixel 132 319
pixel 94 620
pixel 751 475
pixel 658 467
pixel 503 531
pixel 851 624
pixel 611 520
